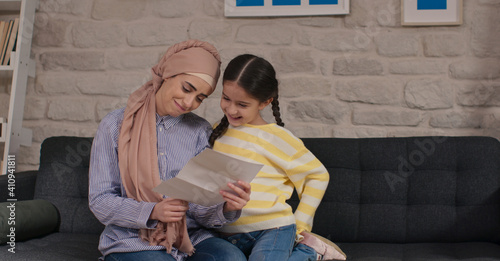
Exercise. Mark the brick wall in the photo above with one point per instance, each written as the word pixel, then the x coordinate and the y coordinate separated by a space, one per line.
pixel 360 75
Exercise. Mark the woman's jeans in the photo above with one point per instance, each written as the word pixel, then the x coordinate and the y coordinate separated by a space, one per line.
pixel 211 249
pixel 271 244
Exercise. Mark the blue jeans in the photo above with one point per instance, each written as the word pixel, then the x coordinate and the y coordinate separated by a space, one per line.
pixel 302 252
pixel 211 249
pixel 271 244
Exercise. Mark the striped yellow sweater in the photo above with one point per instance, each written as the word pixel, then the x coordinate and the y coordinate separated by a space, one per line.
pixel 288 164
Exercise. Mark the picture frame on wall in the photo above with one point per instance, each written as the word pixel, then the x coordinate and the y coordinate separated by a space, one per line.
pixel 431 12
pixel 255 8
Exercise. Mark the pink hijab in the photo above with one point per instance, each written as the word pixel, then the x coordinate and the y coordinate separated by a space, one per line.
pixel 137 151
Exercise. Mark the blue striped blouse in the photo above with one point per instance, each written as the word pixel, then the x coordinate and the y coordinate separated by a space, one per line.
pixel 179 139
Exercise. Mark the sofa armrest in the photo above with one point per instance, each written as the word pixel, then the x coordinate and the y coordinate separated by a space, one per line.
pixel 23 184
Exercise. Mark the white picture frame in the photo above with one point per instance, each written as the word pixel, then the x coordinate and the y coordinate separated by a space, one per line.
pixel 270 8
pixel 411 15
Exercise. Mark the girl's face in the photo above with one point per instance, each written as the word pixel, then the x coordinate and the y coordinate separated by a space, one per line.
pixel 239 107
pixel 181 94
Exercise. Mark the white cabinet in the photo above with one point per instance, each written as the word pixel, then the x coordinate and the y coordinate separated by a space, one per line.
pixel 21 67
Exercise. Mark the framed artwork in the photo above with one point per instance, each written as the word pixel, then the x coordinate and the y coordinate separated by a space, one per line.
pixel 431 12
pixel 247 8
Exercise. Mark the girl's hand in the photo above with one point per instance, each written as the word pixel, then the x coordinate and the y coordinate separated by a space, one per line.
pixel 239 200
pixel 169 210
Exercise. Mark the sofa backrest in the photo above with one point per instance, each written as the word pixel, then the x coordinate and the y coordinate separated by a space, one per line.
pixel 63 180
pixel 414 189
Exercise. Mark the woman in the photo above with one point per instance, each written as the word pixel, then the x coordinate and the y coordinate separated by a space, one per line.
pixel 150 140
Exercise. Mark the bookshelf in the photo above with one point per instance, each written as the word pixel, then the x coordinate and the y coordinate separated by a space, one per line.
pixel 15 64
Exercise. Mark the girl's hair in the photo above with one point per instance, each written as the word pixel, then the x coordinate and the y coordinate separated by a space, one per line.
pixel 258 77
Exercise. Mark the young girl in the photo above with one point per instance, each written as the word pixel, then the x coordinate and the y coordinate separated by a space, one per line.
pixel 267 228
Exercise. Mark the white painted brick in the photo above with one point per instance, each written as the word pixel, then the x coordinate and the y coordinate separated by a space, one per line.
pixel 265 34
pixel 441 45
pixel 157 32
pixel 41 131
pixel 74 7
pixel 491 124
pixel 306 130
pixel 213 8
pixel 476 69
pixel 397 45
pixel 419 66
pixel 484 93
pixel 339 40
pixel 324 111
pixel 31 155
pixel 98 34
pixel 72 109
pixel 212 31
pixel 319 21
pixel 119 84
pixel 489 2
pixel 455 119
pixel 132 59
pixel 386 116
pixel 164 8
pixel 371 13
pixel 56 83
pixel 485 40
pixel 73 60
pixel 34 108
pixel 304 86
pixel 125 10
pixel 357 66
pixel 288 60
pixel 428 94
pixel 50 32
pixel 371 90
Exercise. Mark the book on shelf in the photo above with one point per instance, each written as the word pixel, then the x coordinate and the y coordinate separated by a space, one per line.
pixel 4 28
pixel 12 41
pixel 8 39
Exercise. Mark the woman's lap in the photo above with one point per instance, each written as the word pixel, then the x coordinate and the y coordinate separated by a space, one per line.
pixel 211 249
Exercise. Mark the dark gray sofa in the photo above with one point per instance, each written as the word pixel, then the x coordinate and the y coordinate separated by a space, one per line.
pixel 416 198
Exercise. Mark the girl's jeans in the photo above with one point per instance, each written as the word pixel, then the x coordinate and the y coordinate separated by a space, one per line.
pixel 271 244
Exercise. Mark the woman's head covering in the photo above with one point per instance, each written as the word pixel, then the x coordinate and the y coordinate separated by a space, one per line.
pixel 137 152
pixel 190 57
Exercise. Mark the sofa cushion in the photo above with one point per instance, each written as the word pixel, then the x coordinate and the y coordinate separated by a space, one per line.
pixel 56 246
pixel 409 190
pixel 421 251
pixel 28 218
pixel 63 180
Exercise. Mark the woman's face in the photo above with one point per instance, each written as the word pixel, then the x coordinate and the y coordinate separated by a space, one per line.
pixel 239 107
pixel 181 94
